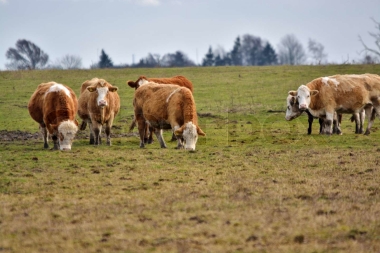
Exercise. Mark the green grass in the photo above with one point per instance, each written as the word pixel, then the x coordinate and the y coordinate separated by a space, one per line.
pixel 256 183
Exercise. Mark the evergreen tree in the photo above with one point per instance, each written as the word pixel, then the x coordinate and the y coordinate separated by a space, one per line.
pixel 219 61
pixel 105 61
pixel 236 55
pixel 209 58
pixel 269 56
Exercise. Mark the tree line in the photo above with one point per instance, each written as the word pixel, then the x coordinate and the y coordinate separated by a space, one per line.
pixel 248 50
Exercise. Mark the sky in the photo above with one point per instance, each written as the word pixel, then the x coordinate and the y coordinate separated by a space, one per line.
pixel 128 30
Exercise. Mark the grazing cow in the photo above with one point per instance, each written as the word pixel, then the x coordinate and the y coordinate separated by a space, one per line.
pixel 340 93
pixel 178 80
pixel 99 104
pixel 54 106
pixel 165 106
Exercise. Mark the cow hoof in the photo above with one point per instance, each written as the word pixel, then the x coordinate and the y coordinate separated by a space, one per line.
pixel 46 145
pixel 367 133
pixel 150 141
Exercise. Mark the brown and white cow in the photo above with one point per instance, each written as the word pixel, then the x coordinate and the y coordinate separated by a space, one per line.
pixel 54 107
pixel 166 106
pixel 340 93
pixel 99 103
pixel 178 80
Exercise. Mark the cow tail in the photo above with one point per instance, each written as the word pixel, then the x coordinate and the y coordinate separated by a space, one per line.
pixel 83 125
pixel 133 124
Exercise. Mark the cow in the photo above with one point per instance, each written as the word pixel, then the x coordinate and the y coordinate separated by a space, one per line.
pixel 54 107
pixel 339 93
pixel 99 104
pixel 178 80
pixel 167 106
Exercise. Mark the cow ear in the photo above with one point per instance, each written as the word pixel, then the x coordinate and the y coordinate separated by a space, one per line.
pixel 179 131
pixel 91 88
pixel 76 122
pixel 314 92
pixel 51 127
pixel 132 84
pixel 113 89
pixel 293 93
pixel 200 132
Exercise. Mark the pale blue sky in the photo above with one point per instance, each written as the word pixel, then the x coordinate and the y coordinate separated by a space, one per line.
pixel 137 27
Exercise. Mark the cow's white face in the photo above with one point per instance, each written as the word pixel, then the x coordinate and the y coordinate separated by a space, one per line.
pixel 101 99
pixel 66 134
pixel 292 108
pixel 304 96
pixel 102 92
pixel 189 132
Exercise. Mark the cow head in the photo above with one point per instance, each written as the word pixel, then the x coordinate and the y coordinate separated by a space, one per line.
pixel 102 91
pixel 66 134
pixel 189 132
pixel 304 96
pixel 292 107
pixel 141 81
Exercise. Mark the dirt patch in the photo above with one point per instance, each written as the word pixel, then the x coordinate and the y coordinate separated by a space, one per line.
pixel 18 135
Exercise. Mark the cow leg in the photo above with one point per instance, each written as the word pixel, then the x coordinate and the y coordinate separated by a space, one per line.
pixel 179 139
pixel 97 129
pixel 158 133
pixel 141 125
pixel 148 134
pixel 55 141
pixel 361 121
pixel 108 131
pixel 328 123
pixel 310 119
pixel 336 123
pixel 44 135
pixel 370 111
pixel 321 125
pixel 92 140
pixel 356 117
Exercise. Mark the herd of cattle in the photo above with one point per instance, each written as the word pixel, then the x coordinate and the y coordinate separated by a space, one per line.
pixel 159 103
pixel 168 103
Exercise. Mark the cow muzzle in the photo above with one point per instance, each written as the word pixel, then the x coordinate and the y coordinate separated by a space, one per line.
pixel 65 148
pixel 102 103
pixel 303 107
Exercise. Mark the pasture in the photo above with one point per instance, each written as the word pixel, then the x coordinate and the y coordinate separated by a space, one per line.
pixel 256 183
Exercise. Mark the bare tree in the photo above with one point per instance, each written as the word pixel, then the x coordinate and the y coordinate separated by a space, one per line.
pixel 316 50
pixel 376 36
pixel 290 51
pixel 71 62
pixel 26 55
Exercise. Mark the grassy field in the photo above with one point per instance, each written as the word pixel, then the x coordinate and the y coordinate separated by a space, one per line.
pixel 256 183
